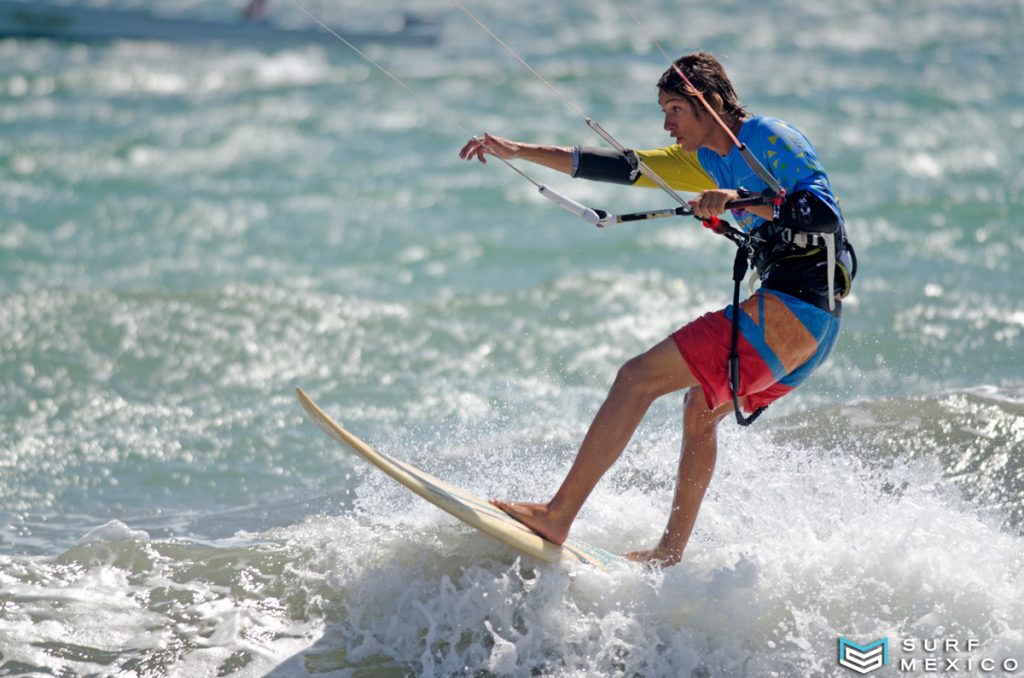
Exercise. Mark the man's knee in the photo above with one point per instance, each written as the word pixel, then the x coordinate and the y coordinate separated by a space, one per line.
pixel 636 378
pixel 652 374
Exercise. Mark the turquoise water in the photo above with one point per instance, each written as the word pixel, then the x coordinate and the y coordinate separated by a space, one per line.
pixel 189 233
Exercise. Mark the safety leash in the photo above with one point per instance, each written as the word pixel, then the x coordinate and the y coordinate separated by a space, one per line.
pixel 740 266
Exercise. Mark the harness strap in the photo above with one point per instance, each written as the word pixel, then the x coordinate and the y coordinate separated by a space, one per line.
pixel 739 271
pixel 830 274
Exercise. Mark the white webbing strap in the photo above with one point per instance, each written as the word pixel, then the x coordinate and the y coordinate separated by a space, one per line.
pixel 830 257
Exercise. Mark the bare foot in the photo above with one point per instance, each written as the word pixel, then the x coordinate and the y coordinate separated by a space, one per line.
pixel 537 517
pixel 654 558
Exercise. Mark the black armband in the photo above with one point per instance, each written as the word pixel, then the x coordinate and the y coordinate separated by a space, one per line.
pixel 599 164
pixel 806 212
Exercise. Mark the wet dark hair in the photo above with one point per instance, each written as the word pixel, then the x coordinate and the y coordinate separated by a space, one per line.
pixel 708 75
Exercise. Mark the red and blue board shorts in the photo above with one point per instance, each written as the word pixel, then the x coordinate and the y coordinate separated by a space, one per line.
pixel 782 341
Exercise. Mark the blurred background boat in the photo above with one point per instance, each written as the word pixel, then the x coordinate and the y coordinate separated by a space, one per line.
pixel 87 24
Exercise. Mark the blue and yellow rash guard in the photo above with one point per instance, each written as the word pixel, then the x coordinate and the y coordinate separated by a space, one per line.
pixel 789 156
pixel 780 147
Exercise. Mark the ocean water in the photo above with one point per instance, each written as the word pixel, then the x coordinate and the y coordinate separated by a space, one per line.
pixel 188 233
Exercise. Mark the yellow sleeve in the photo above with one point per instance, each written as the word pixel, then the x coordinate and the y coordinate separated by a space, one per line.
pixel 680 169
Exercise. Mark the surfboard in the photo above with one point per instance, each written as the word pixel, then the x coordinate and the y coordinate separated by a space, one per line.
pixel 468 508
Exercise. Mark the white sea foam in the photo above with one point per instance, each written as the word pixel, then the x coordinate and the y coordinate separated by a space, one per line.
pixel 794 548
pixel 796 545
pixel 113 531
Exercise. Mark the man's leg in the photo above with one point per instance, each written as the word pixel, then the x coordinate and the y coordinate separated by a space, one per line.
pixel 639 383
pixel 696 465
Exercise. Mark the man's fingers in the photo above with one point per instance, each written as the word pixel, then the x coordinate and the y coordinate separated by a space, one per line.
pixel 473 149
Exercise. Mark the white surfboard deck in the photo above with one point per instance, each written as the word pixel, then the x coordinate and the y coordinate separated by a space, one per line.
pixel 469 509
